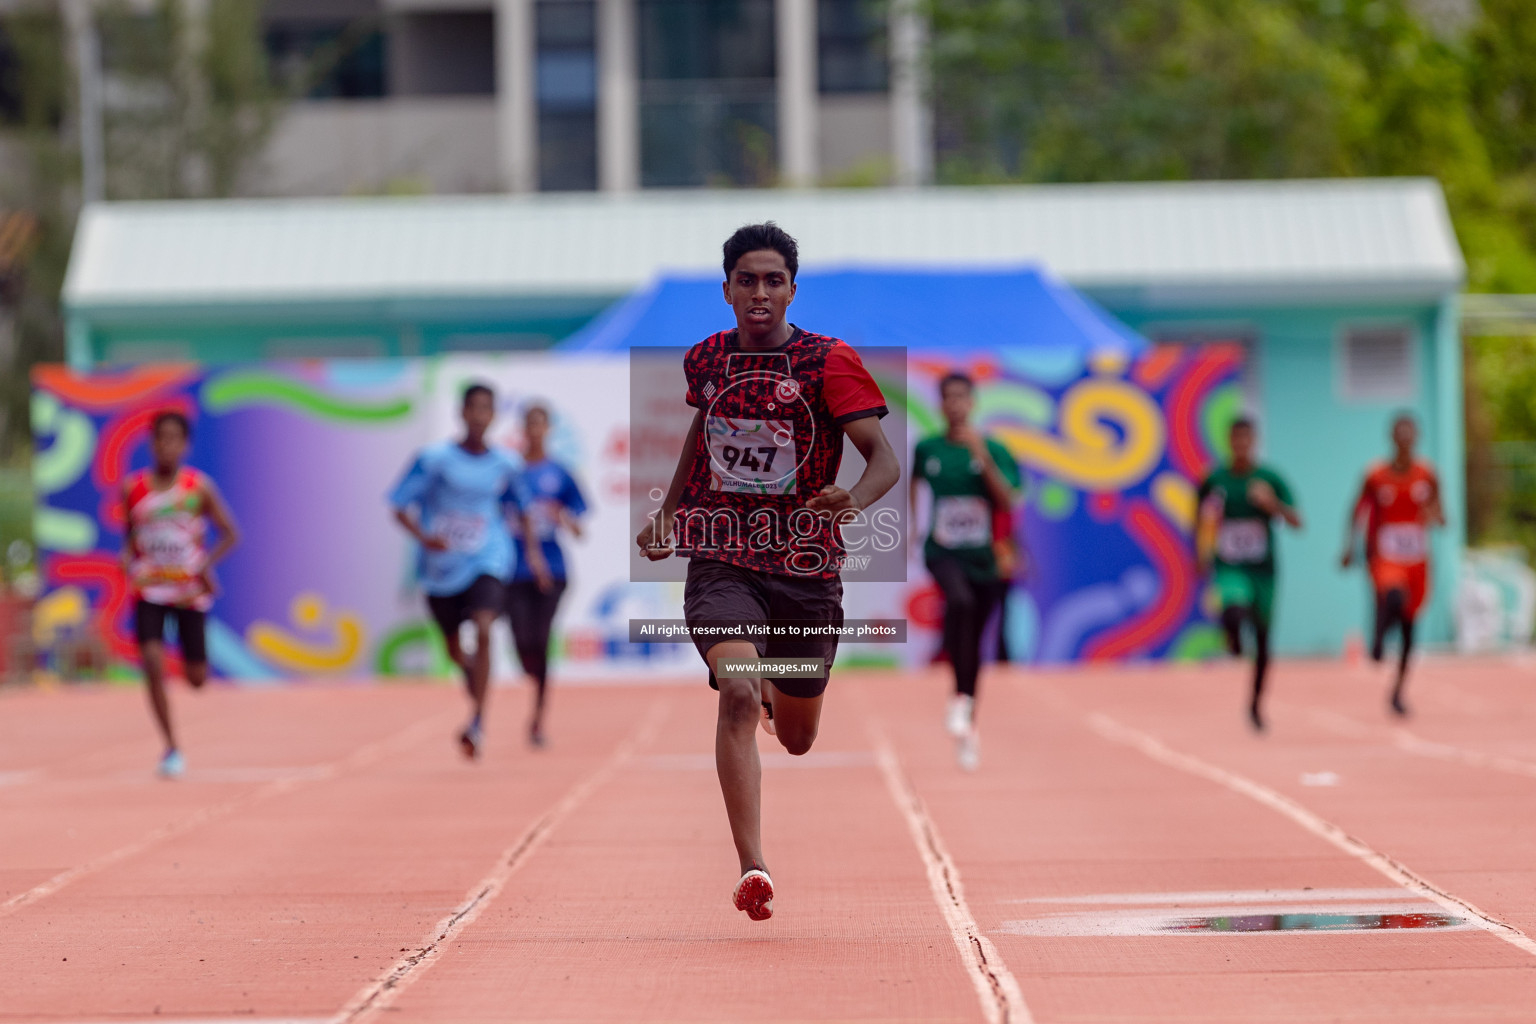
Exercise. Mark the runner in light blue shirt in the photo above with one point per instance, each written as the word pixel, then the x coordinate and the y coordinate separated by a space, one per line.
pixel 455 499
pixel 554 502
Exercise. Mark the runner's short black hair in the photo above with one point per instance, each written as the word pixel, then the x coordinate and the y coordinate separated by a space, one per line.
pixel 537 407
pixel 171 416
pixel 768 235
pixel 1243 422
pixel 479 389
pixel 1404 416
pixel 956 377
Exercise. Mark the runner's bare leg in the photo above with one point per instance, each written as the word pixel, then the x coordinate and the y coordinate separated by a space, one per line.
pixel 736 760
pixel 152 653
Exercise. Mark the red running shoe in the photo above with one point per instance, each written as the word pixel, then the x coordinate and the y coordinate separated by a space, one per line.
pixel 754 894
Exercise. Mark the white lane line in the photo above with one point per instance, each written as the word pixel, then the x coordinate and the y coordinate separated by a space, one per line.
pixel 361 757
pixel 1175 899
pixel 1001 1000
pixel 1411 744
pixel 769 759
pixel 167 1019
pixel 379 994
pixel 1153 748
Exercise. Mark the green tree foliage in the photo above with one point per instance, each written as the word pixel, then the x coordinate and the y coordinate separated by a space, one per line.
pixel 191 104
pixel 39 175
pixel 1115 90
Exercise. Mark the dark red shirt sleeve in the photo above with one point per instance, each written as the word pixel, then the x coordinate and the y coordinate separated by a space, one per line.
pixel 848 389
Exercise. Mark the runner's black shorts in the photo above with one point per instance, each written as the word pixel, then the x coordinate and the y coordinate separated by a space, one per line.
pixel 719 594
pixel 191 628
pixel 486 594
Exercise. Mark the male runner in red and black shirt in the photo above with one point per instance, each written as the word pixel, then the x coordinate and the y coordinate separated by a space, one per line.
pixel 755 502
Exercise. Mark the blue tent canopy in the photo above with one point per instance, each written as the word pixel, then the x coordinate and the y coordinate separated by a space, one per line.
pixel 971 310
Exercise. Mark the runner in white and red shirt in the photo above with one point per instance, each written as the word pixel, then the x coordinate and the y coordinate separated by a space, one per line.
pixel 167 509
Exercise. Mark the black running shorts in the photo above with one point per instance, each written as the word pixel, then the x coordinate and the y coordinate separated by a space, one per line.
pixel 486 594
pixel 720 594
pixel 191 629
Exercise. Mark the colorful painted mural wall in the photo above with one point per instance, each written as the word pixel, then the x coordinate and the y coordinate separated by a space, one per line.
pixel 1112 450
pixel 322 584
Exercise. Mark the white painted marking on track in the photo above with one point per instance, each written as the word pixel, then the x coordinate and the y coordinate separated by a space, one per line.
pixel 18 777
pixel 169 1019
pixel 1174 923
pixel 1174 899
pixel 364 755
pixel 769 759
pixel 379 994
pixel 1001 1000
pixel 1326 830
pixel 1319 778
pixel 1410 743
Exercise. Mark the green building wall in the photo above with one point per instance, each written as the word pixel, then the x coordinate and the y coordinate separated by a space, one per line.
pixel 1319 439
pixel 1322 441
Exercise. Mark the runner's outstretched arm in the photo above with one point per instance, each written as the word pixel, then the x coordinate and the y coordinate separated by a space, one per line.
pixel 655 538
pixel 882 469
pixel 127 554
pixel 404 518
pixel 1352 528
pixel 535 552
pixel 224 520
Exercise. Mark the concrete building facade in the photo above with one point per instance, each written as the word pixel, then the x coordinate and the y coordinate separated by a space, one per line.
pixel 454 96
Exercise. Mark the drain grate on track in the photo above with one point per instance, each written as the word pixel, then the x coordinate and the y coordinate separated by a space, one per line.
pixel 1240 913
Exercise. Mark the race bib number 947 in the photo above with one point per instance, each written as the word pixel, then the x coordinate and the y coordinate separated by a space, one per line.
pixel 751 456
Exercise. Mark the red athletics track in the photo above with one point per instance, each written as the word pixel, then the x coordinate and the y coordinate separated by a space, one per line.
pixel 329 857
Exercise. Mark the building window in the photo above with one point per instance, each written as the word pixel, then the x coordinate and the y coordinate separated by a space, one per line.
pixel 566 82
pixel 851 46
pixel 1376 364
pixel 708 99
pixel 443 53
pixel 329 59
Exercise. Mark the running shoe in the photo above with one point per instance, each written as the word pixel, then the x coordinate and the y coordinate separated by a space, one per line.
pixel 536 735
pixel 962 711
pixel 470 741
pixel 172 765
pixel 1398 707
pixel 1255 717
pixel 754 894
pixel 768 726
pixel 968 750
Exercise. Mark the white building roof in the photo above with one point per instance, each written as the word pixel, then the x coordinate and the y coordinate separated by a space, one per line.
pixel 1169 242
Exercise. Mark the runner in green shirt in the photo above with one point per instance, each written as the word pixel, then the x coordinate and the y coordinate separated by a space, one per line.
pixel 974 482
pixel 1238 505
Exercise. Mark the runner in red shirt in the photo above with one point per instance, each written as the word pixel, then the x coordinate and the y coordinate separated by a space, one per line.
pixel 169 567
pixel 753 502
pixel 1398 503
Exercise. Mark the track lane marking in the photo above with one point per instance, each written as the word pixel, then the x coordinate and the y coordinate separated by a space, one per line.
pixel 1153 748
pixel 379 994
pixel 998 991
pixel 1410 743
pixel 361 757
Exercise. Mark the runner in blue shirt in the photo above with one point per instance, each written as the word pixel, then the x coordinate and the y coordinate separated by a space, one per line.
pixel 455 499
pixel 554 501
